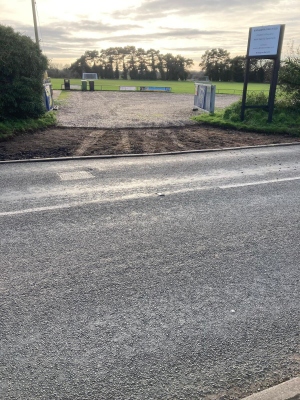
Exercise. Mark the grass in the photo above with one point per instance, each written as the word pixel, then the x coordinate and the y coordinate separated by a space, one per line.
pixel 237 87
pixel 62 98
pixel 286 120
pixel 15 126
pixel 177 87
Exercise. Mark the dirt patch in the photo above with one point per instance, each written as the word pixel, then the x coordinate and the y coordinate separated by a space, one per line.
pixel 61 142
pixel 105 123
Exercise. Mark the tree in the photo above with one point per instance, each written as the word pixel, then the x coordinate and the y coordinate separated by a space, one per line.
pixel 152 61
pixel 237 67
pixel 175 67
pixel 58 71
pixel 22 68
pixel 268 70
pixel 216 63
pixel 142 65
pixel 182 65
pixel 85 63
pixel 257 72
pixel 127 61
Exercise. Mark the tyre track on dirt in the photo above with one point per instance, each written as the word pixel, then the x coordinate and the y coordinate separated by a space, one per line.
pixel 89 142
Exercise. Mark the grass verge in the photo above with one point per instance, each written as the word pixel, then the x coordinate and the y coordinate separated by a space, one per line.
pixel 15 126
pixel 186 87
pixel 63 97
pixel 286 120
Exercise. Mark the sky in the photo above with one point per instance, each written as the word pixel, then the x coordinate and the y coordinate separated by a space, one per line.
pixel 186 27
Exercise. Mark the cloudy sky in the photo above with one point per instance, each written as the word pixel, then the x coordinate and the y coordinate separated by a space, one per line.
pixel 187 27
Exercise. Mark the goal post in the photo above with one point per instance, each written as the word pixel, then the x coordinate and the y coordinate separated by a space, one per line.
pixel 89 76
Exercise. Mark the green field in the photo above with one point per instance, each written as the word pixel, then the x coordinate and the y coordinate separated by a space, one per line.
pixel 177 87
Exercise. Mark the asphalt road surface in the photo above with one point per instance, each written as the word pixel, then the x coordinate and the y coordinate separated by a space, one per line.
pixel 169 277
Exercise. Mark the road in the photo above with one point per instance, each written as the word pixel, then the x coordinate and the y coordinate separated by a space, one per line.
pixel 168 277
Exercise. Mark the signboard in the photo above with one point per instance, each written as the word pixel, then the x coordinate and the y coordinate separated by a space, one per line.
pixel 48 99
pixel 205 97
pixel 202 89
pixel 264 41
pixel 155 89
pixel 128 88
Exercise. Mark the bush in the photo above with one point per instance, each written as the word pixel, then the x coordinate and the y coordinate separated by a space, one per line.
pixel 22 67
pixel 286 119
pixel 233 112
pixel 289 80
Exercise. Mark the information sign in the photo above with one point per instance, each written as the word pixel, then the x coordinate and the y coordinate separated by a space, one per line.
pixel 264 41
pixel 154 89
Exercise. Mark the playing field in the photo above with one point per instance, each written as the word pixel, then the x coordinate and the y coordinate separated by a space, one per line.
pixel 177 87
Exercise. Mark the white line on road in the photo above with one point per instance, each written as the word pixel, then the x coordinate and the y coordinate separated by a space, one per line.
pixel 71 205
pixel 259 183
pixel 140 195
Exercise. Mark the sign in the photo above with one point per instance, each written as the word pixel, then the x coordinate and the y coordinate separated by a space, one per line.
pixel 205 97
pixel 202 89
pixel 154 89
pixel 264 41
pixel 128 88
pixel 48 98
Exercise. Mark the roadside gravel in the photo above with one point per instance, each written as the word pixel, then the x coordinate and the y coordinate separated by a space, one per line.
pixel 131 110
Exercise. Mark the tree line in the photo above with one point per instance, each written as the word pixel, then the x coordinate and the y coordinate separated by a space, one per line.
pixel 130 62
pixel 219 66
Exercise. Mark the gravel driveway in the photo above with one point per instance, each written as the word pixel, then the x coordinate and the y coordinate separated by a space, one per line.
pixel 128 110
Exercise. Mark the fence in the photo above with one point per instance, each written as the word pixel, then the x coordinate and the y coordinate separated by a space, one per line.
pixel 239 91
pixel 117 88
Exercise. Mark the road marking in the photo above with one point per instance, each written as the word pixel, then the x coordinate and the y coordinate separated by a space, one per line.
pixel 37 209
pixel 131 196
pixel 74 204
pixel 140 195
pixel 258 183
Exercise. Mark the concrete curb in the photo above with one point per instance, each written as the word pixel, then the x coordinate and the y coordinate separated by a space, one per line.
pixel 172 153
pixel 289 390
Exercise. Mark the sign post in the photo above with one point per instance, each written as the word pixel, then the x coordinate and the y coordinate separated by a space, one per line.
pixel 264 42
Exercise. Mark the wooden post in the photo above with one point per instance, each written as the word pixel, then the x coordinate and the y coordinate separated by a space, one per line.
pixel 245 88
